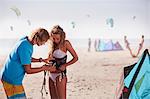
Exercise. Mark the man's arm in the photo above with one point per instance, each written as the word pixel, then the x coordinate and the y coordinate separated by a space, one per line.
pixel 30 70
pixel 36 59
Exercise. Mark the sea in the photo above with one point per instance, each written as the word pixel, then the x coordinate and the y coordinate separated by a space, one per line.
pixel 7 45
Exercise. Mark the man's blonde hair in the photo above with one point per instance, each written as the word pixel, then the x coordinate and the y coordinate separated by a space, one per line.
pixel 40 33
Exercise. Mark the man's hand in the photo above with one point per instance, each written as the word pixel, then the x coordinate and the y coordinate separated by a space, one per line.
pixel 45 60
pixel 62 68
pixel 52 69
pixel 46 67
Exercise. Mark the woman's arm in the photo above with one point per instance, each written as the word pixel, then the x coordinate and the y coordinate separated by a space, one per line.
pixel 73 53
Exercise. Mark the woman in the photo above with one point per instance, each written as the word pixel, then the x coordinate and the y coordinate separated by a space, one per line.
pixel 58 79
pixel 19 62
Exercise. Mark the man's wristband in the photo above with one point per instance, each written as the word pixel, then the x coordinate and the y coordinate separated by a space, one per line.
pixel 40 59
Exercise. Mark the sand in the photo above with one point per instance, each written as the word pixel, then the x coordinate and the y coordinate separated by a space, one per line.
pixel 95 76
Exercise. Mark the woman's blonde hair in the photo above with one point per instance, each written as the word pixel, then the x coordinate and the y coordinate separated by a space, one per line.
pixel 58 30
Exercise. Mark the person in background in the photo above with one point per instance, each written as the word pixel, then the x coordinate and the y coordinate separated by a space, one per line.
pixel 96 45
pixel 89 44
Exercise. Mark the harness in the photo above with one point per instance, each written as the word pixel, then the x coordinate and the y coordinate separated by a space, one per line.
pixel 57 62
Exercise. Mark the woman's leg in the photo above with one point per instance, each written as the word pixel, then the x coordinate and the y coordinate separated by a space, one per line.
pixel 53 89
pixel 61 87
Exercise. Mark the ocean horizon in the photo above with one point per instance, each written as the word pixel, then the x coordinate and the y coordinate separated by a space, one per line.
pixel 6 45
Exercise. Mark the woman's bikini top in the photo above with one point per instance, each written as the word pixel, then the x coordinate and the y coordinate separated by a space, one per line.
pixel 60 58
pixel 59 54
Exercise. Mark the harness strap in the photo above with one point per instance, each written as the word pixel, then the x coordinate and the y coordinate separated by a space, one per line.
pixel 44 85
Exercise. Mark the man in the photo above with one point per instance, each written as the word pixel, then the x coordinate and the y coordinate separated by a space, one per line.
pixel 19 62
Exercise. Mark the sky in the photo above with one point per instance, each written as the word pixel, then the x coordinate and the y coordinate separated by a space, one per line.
pixel 130 17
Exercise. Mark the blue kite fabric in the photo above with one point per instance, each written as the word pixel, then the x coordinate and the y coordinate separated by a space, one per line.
pixel 140 86
pixel 109 46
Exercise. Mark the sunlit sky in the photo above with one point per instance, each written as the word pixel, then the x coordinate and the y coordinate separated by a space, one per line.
pixel 131 17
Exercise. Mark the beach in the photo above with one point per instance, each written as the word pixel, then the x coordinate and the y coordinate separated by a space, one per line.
pixel 95 76
pixel 120 25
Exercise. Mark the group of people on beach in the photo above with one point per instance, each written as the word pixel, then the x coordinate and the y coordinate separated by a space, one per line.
pixel 18 63
pixel 96 44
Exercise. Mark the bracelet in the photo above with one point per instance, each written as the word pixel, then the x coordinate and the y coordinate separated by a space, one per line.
pixel 40 59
